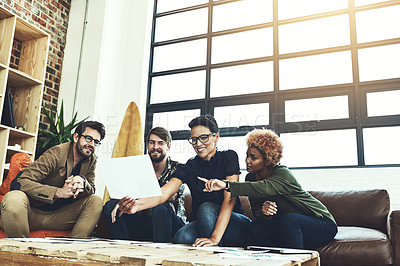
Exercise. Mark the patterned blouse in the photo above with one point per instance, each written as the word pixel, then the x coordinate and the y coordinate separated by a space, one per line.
pixel 179 203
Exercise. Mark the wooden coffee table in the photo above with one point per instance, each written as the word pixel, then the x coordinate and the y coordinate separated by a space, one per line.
pixel 101 252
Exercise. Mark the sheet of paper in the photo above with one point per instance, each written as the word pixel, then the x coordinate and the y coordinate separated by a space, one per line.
pixel 282 250
pixel 259 256
pixel 129 176
pixel 217 249
pixel 58 240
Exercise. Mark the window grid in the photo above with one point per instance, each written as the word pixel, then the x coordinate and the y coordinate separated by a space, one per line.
pixel 356 90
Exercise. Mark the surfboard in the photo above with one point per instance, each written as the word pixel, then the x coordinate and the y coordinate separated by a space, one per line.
pixel 130 139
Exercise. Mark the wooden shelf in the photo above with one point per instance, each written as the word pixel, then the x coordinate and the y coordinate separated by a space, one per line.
pixel 24 83
pixel 19 79
pixel 5 14
pixel 20 133
pixel 14 150
pixel 26 32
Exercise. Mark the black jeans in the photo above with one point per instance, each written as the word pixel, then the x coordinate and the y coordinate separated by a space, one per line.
pixel 160 226
pixel 293 230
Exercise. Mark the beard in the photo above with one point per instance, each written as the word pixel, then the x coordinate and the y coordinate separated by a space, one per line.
pixel 81 150
pixel 157 159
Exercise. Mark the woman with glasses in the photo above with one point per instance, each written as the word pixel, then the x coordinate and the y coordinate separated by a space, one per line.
pixel 285 214
pixel 216 218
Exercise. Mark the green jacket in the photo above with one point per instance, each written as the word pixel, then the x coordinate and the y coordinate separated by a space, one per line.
pixel 283 188
pixel 41 179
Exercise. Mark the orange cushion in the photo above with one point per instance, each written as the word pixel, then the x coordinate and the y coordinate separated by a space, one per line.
pixel 18 162
pixel 42 233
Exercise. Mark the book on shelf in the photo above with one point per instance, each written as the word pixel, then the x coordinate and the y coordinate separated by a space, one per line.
pixel 7 118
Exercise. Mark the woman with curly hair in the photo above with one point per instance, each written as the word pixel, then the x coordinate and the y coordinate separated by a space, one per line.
pixel 285 214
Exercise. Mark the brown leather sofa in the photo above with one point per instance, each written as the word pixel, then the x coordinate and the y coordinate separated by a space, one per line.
pixel 362 218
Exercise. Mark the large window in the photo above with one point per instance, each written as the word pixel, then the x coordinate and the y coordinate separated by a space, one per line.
pixel 324 75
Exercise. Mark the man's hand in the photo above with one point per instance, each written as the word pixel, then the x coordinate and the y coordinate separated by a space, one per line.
pixel 72 187
pixel 204 242
pixel 125 205
pixel 269 208
pixel 77 185
pixel 66 191
pixel 212 184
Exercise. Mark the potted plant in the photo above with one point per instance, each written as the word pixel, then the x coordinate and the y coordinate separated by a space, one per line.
pixel 58 132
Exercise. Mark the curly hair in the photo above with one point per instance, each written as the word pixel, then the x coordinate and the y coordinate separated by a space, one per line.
pixel 267 143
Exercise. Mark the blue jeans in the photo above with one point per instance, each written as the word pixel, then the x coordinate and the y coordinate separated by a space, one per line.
pixel 293 230
pixel 160 226
pixel 236 233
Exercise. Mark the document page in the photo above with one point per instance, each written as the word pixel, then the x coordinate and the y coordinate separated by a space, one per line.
pixel 129 176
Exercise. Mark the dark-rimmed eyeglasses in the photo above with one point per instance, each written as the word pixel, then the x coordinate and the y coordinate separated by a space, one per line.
pixel 202 138
pixel 90 138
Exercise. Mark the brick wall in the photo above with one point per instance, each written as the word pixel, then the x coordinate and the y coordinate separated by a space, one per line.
pixel 52 17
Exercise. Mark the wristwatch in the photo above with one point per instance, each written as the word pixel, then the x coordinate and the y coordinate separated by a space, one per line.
pixel 227 185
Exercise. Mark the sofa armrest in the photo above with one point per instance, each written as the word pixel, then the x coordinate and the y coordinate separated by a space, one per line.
pixel 395 235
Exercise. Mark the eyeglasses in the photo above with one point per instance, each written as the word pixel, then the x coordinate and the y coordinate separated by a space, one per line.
pixel 90 138
pixel 202 138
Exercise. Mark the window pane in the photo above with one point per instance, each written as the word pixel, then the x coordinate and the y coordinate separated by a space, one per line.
pixel 366 2
pixel 316 70
pixel 242 115
pixel 378 24
pixel 320 148
pixel 181 151
pixel 236 80
pixel 297 8
pixel 175 120
pixel 314 34
pixel 382 145
pixel 379 62
pixel 178 87
pixel 317 109
pixel 238 144
pixel 167 5
pixel 383 103
pixel 180 55
pixel 243 45
pixel 241 13
pixel 195 23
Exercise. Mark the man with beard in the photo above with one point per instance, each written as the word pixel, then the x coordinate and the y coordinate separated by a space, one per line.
pixel 56 192
pixel 161 222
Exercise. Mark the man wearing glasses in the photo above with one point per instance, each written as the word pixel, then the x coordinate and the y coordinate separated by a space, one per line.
pixel 56 192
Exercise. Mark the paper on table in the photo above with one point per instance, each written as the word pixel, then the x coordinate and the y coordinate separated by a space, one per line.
pixel 282 250
pixel 260 256
pixel 129 176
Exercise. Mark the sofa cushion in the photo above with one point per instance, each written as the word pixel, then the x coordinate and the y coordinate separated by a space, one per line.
pixel 364 208
pixel 18 162
pixel 357 246
pixel 42 233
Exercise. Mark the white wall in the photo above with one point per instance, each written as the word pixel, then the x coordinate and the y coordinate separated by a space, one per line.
pixel 114 63
pixel 114 72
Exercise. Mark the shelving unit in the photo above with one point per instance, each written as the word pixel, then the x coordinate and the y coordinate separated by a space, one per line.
pixel 25 85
